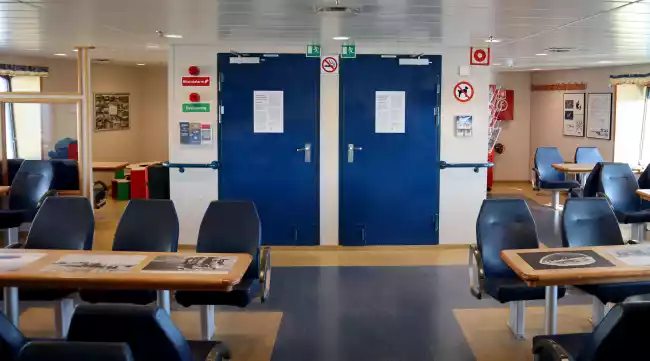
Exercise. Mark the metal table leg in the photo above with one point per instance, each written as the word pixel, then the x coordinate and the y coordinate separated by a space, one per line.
pixel 163 300
pixel 555 199
pixel 550 313
pixel 11 305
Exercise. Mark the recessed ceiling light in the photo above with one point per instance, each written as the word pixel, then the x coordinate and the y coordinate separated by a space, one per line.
pixel 153 46
pixel 605 62
pixel 173 36
pixel 75 50
pixel 497 64
pixel 535 69
pixel 541 54
pixel 492 39
pixel 60 54
pixel 140 64
pixel 341 38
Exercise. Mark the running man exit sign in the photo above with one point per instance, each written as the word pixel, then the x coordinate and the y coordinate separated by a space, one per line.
pixel 348 51
pixel 313 51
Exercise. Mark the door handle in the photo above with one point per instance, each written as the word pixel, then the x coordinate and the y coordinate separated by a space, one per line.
pixel 307 150
pixel 351 149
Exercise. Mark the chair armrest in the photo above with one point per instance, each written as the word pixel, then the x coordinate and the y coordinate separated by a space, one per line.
pixel 15 246
pixel 535 179
pixel 476 273
pixel 265 273
pixel 549 350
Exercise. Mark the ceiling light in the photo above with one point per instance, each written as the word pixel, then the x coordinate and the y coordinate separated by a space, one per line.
pixel 535 69
pixel 60 54
pixel 153 46
pixel 140 64
pixel 605 62
pixel 173 36
pixel 492 39
pixel 341 38
pixel 497 64
pixel 541 54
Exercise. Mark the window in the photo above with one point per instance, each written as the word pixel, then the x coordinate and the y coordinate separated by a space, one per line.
pixel 632 128
pixel 10 139
pixel 28 129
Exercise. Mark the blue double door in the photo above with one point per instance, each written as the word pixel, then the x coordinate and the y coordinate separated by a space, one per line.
pixel 389 136
pixel 268 141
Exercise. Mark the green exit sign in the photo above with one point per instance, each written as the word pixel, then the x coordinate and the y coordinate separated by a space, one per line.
pixel 196 107
pixel 313 51
pixel 348 51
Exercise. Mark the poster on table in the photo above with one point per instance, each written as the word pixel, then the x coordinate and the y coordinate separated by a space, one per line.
pixel 111 111
pixel 637 255
pixel 574 114
pixel 599 116
pixel 84 263
pixel 11 261
pixel 565 260
pixel 191 264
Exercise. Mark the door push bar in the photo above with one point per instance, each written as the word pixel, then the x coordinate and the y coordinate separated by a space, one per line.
pixel 476 166
pixel 181 166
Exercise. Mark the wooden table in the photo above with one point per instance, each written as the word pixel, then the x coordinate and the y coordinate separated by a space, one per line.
pixel 586 168
pixel 109 166
pixel 606 268
pixel 33 275
pixel 4 190
pixel 644 194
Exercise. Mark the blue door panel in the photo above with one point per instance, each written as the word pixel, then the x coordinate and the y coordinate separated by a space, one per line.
pixel 389 194
pixel 266 167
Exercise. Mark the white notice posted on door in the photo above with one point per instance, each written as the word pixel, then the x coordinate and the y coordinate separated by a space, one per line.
pixel 268 111
pixel 390 112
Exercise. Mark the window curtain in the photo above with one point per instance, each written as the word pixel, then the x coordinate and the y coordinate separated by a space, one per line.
pixel 23 70
pixel 637 79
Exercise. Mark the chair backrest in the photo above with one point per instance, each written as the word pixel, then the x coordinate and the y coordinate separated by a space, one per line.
pixel 62 223
pixel 232 227
pixel 149 331
pixel 30 183
pixel 589 222
pixel 148 225
pixel 592 184
pixel 620 335
pixel 545 157
pixel 618 182
pixel 11 339
pixel 503 224
pixel 644 179
pixel 588 155
pixel 75 351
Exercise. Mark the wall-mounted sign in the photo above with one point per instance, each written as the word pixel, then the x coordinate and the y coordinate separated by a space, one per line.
pixel 348 51
pixel 195 133
pixel 463 125
pixel 463 92
pixel 313 51
pixel 196 107
pixel 329 65
pixel 479 56
pixel 195 81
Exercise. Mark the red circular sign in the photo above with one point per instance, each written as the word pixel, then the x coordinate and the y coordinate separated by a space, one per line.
pixel 330 64
pixel 463 92
pixel 480 55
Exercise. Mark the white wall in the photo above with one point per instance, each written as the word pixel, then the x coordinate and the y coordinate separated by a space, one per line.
pixel 514 163
pixel 461 190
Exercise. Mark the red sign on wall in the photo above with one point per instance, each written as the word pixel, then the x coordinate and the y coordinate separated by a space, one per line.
pixel 507 105
pixel 195 81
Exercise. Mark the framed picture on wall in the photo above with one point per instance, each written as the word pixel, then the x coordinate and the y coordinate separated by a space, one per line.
pixel 574 114
pixel 111 111
pixel 599 116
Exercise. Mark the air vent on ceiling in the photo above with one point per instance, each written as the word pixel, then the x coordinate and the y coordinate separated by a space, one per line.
pixel 560 49
pixel 337 9
pixel 101 60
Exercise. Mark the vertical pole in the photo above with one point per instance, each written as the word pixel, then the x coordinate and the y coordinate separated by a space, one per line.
pixel 3 139
pixel 555 201
pixel 163 300
pixel 11 307
pixel 550 314
pixel 85 111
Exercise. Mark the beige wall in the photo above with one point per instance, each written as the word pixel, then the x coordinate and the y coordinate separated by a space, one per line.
pixel 146 140
pixel 547 108
pixel 513 164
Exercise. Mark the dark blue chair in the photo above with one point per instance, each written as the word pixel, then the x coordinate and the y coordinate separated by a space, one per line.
pixel 145 226
pixel 592 184
pixel 11 339
pixel 149 332
pixel 504 224
pixel 620 336
pixel 65 223
pixel 230 227
pixel 587 155
pixel 549 178
pixel 75 351
pixel 30 184
pixel 619 185
pixel 588 222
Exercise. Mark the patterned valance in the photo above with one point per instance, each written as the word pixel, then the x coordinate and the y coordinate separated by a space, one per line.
pixel 22 70
pixel 638 79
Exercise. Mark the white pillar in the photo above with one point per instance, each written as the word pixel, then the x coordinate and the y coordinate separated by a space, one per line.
pixel 85 122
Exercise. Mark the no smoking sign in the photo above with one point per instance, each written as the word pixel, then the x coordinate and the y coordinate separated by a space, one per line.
pixel 329 65
pixel 479 56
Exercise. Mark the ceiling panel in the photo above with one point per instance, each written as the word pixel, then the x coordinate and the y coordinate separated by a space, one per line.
pixel 599 30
